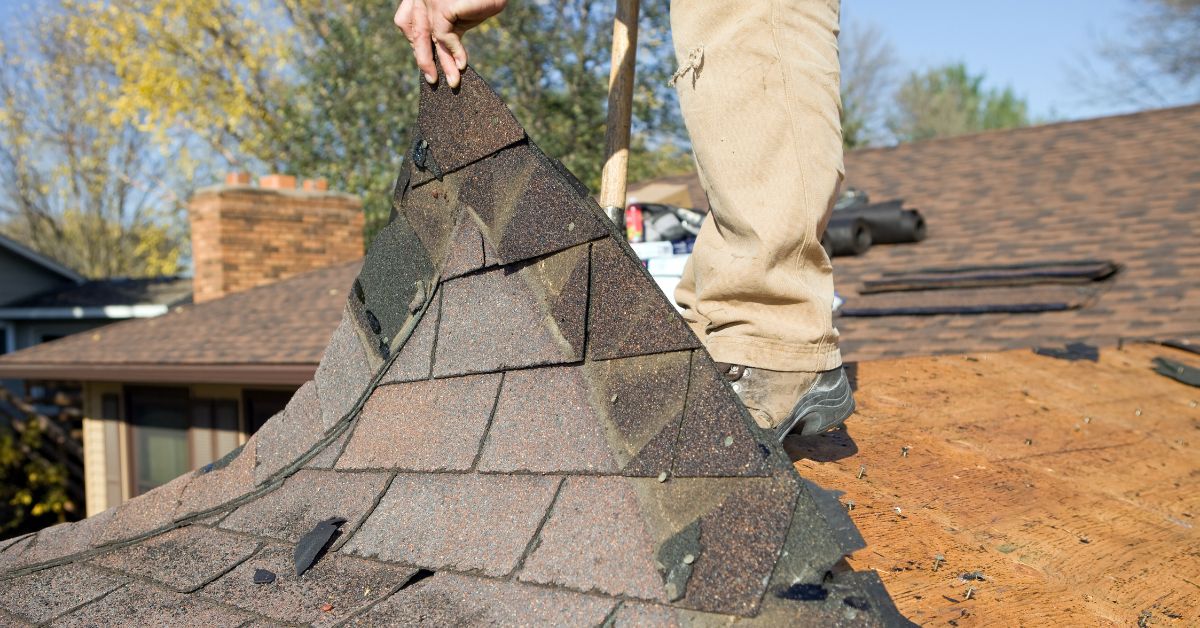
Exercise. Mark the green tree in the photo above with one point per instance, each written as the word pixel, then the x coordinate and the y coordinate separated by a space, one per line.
pixel 41 467
pixel 328 87
pixel 949 101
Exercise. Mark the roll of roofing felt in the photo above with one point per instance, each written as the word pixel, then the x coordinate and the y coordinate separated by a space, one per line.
pixel 846 236
pixel 889 223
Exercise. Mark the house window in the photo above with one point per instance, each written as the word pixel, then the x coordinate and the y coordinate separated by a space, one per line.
pixel 159 422
pixel 261 405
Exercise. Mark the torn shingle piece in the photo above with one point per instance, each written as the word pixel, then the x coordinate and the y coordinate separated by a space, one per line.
pixel 309 547
pixel 433 425
pixel 183 559
pixel 263 576
pixel 457 521
pixel 44 595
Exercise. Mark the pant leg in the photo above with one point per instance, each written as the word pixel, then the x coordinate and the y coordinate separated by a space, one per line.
pixel 763 111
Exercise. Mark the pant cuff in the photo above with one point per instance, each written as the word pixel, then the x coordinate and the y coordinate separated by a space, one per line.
pixel 773 355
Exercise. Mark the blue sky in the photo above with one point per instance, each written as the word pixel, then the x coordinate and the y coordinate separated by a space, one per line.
pixel 1028 45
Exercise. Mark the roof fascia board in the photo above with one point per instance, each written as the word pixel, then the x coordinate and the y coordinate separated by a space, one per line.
pixel 148 310
pixel 247 374
pixel 39 259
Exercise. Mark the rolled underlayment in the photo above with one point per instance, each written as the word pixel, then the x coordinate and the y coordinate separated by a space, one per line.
pixel 510 426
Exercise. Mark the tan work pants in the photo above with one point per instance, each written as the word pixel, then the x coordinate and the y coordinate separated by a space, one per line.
pixel 759 89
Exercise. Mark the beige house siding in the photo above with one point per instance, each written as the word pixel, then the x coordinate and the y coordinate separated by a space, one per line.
pixel 107 463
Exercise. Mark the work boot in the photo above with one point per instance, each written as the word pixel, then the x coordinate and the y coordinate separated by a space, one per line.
pixel 792 401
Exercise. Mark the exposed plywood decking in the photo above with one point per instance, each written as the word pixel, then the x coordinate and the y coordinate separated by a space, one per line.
pixel 1074 487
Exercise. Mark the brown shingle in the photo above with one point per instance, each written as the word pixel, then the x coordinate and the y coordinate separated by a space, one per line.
pixel 44 595
pixel 463 522
pixel 545 423
pixel 344 582
pixel 287 435
pixel 595 539
pixel 423 426
pixel 629 315
pixel 138 604
pixel 183 559
pixel 455 600
pixel 514 317
pixel 343 375
pixel 308 497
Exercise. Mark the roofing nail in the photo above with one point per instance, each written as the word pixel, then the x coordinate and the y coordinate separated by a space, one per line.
pixel 1028 441
pixel 1087 419
pixel 849 506
pixel 614 398
pixel 937 562
pixel 1137 412
pixel 862 470
pixel 904 452
pixel 728 441
pixel 970 592
pixel 689 559
pixel 662 477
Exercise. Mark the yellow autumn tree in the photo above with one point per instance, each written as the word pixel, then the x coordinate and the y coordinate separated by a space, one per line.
pixel 74 184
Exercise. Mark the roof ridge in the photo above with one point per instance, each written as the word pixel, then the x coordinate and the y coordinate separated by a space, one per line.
pixel 1042 127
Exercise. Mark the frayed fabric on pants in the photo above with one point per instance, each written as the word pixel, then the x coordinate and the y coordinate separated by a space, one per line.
pixel 758 84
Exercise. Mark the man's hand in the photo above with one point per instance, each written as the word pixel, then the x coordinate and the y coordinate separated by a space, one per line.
pixel 440 24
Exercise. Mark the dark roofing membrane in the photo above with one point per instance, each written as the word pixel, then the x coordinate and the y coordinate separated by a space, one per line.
pixel 510 426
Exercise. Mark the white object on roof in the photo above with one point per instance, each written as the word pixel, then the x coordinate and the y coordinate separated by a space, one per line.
pixel 648 250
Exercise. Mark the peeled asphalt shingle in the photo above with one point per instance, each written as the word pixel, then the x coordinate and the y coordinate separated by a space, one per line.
pixel 515 427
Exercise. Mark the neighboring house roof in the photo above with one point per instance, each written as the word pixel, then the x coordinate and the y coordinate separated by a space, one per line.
pixel 1123 188
pixel 273 334
pixel 104 298
pixel 511 425
pixel 37 258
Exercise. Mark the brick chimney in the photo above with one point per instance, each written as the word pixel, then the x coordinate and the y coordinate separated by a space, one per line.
pixel 245 235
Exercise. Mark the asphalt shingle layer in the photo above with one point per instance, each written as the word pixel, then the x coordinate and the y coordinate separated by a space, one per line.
pixel 548 445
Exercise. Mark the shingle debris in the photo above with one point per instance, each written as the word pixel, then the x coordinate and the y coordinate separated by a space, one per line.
pixel 311 544
pixel 513 457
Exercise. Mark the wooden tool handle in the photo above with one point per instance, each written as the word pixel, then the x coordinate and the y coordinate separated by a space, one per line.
pixel 620 109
